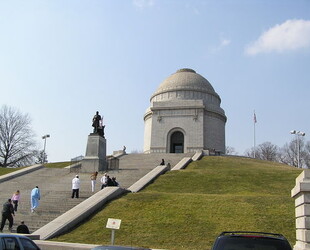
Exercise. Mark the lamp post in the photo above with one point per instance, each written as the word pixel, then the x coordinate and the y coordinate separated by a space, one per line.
pixel 44 138
pixel 297 135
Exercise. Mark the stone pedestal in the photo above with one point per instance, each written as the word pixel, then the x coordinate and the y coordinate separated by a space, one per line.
pixel 301 194
pixel 95 157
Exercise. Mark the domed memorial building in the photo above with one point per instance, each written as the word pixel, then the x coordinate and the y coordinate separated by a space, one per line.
pixel 184 116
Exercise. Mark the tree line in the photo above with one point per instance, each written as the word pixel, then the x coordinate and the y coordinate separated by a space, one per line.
pixel 296 153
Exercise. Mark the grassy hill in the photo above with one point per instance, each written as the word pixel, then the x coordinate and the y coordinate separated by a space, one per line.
pixel 187 209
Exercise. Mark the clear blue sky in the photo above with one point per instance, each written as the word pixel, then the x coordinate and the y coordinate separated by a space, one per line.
pixel 62 60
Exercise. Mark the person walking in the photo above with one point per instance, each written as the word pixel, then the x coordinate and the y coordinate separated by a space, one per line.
pixel 7 214
pixel 93 178
pixel 35 197
pixel 22 228
pixel 75 187
pixel 15 199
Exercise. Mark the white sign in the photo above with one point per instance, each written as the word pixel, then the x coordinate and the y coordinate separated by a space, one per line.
pixel 113 223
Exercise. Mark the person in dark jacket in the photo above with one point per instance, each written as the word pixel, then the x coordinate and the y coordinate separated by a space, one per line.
pixel 7 214
pixel 22 228
pixel 115 183
pixel 109 181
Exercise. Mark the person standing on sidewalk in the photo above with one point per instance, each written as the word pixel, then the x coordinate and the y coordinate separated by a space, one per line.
pixel 93 178
pixel 104 180
pixel 75 187
pixel 35 197
pixel 7 214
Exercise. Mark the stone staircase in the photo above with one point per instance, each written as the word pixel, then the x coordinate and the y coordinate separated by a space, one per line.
pixel 134 166
pixel 55 187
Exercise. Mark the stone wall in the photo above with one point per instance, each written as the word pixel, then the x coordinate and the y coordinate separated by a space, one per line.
pixel 301 194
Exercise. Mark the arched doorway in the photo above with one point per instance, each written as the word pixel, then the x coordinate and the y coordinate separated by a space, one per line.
pixel 177 142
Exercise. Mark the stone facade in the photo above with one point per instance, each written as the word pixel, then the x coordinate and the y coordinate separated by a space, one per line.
pixel 301 194
pixel 184 116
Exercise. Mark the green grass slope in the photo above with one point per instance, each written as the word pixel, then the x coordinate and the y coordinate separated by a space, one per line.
pixel 4 171
pixel 58 164
pixel 187 209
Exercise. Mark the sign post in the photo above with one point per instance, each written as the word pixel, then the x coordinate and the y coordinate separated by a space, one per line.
pixel 113 224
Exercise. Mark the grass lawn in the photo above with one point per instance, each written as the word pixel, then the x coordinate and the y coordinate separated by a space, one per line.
pixel 187 209
pixel 58 164
pixel 4 171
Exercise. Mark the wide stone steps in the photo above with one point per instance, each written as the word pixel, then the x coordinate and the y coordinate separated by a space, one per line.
pixel 149 161
pixel 132 167
pixel 55 187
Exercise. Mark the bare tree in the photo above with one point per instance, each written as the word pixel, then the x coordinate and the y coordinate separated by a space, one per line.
pixel 40 157
pixel 286 155
pixel 16 138
pixel 265 151
pixel 290 153
pixel 268 151
pixel 296 153
pixel 307 154
pixel 250 153
pixel 231 151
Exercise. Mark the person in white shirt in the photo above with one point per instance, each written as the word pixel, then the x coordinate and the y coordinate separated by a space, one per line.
pixel 104 180
pixel 75 187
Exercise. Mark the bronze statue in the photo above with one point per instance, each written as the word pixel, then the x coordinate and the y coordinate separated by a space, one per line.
pixel 96 122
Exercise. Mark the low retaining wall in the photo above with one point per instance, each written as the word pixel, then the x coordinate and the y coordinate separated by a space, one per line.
pixel 148 178
pixel 20 172
pixel 182 164
pixel 187 160
pixel 197 156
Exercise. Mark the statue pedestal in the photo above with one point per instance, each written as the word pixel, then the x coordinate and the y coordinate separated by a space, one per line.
pixel 95 157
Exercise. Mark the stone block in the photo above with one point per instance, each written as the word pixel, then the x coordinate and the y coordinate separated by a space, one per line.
pixel 303 222
pixel 90 165
pixel 95 157
pixel 301 245
pixel 303 235
pixel 302 210
pixel 304 175
pixel 96 146
pixel 302 198
pixel 302 183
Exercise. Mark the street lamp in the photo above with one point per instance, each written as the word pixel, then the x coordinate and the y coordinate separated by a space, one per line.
pixel 298 134
pixel 44 138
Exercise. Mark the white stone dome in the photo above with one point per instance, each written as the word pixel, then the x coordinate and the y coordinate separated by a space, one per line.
pixel 184 116
pixel 186 84
pixel 185 79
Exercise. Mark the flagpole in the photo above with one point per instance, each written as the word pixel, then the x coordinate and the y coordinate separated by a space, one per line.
pixel 254 132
